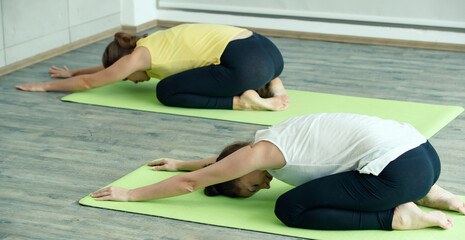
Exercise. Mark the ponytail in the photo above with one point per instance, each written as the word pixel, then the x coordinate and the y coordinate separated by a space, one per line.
pixel 123 44
pixel 211 191
pixel 229 189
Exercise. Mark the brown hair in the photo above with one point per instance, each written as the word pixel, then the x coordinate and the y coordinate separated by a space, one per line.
pixel 228 188
pixel 123 44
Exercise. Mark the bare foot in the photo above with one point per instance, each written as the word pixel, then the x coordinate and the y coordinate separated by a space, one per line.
pixel 274 88
pixel 408 216
pixel 265 92
pixel 440 198
pixel 250 100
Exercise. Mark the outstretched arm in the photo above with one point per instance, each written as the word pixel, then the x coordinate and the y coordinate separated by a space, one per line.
pixel 56 72
pixel 139 60
pixel 168 164
pixel 263 155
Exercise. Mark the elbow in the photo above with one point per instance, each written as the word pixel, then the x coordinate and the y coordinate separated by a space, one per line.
pixel 190 187
pixel 188 184
pixel 86 82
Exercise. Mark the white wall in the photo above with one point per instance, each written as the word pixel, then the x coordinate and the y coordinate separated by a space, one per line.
pixel 420 19
pixel 137 12
pixel 30 27
pixel 2 46
pixel 441 13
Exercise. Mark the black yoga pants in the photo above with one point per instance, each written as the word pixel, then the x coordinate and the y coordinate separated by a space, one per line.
pixel 245 64
pixel 350 200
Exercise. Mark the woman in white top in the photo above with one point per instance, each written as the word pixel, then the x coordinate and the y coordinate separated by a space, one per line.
pixel 350 172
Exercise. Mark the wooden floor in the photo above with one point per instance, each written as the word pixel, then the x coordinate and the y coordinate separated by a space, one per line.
pixel 53 153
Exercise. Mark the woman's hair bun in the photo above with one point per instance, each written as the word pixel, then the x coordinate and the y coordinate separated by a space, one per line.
pixel 126 40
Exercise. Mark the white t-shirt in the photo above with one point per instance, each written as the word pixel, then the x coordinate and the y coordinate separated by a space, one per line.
pixel 323 144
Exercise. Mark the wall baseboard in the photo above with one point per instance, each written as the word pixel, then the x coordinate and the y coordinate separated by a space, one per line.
pixel 275 33
pixel 139 28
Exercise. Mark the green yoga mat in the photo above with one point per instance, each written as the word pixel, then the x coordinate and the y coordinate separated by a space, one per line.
pixel 427 118
pixel 255 213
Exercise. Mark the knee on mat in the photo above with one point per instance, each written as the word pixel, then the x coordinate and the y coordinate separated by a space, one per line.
pixel 286 212
pixel 163 95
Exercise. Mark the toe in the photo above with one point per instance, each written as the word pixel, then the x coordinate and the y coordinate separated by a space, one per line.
pixel 446 222
pixel 462 209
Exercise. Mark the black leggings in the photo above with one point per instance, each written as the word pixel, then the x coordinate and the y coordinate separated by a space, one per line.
pixel 245 64
pixel 350 200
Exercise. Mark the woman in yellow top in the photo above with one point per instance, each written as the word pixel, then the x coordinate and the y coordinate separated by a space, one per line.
pixel 200 65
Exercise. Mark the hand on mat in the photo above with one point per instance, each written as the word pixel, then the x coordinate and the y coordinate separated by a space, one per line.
pixel 56 72
pixel 165 164
pixel 31 87
pixel 111 193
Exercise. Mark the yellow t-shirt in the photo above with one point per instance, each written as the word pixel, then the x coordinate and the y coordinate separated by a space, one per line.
pixel 186 46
